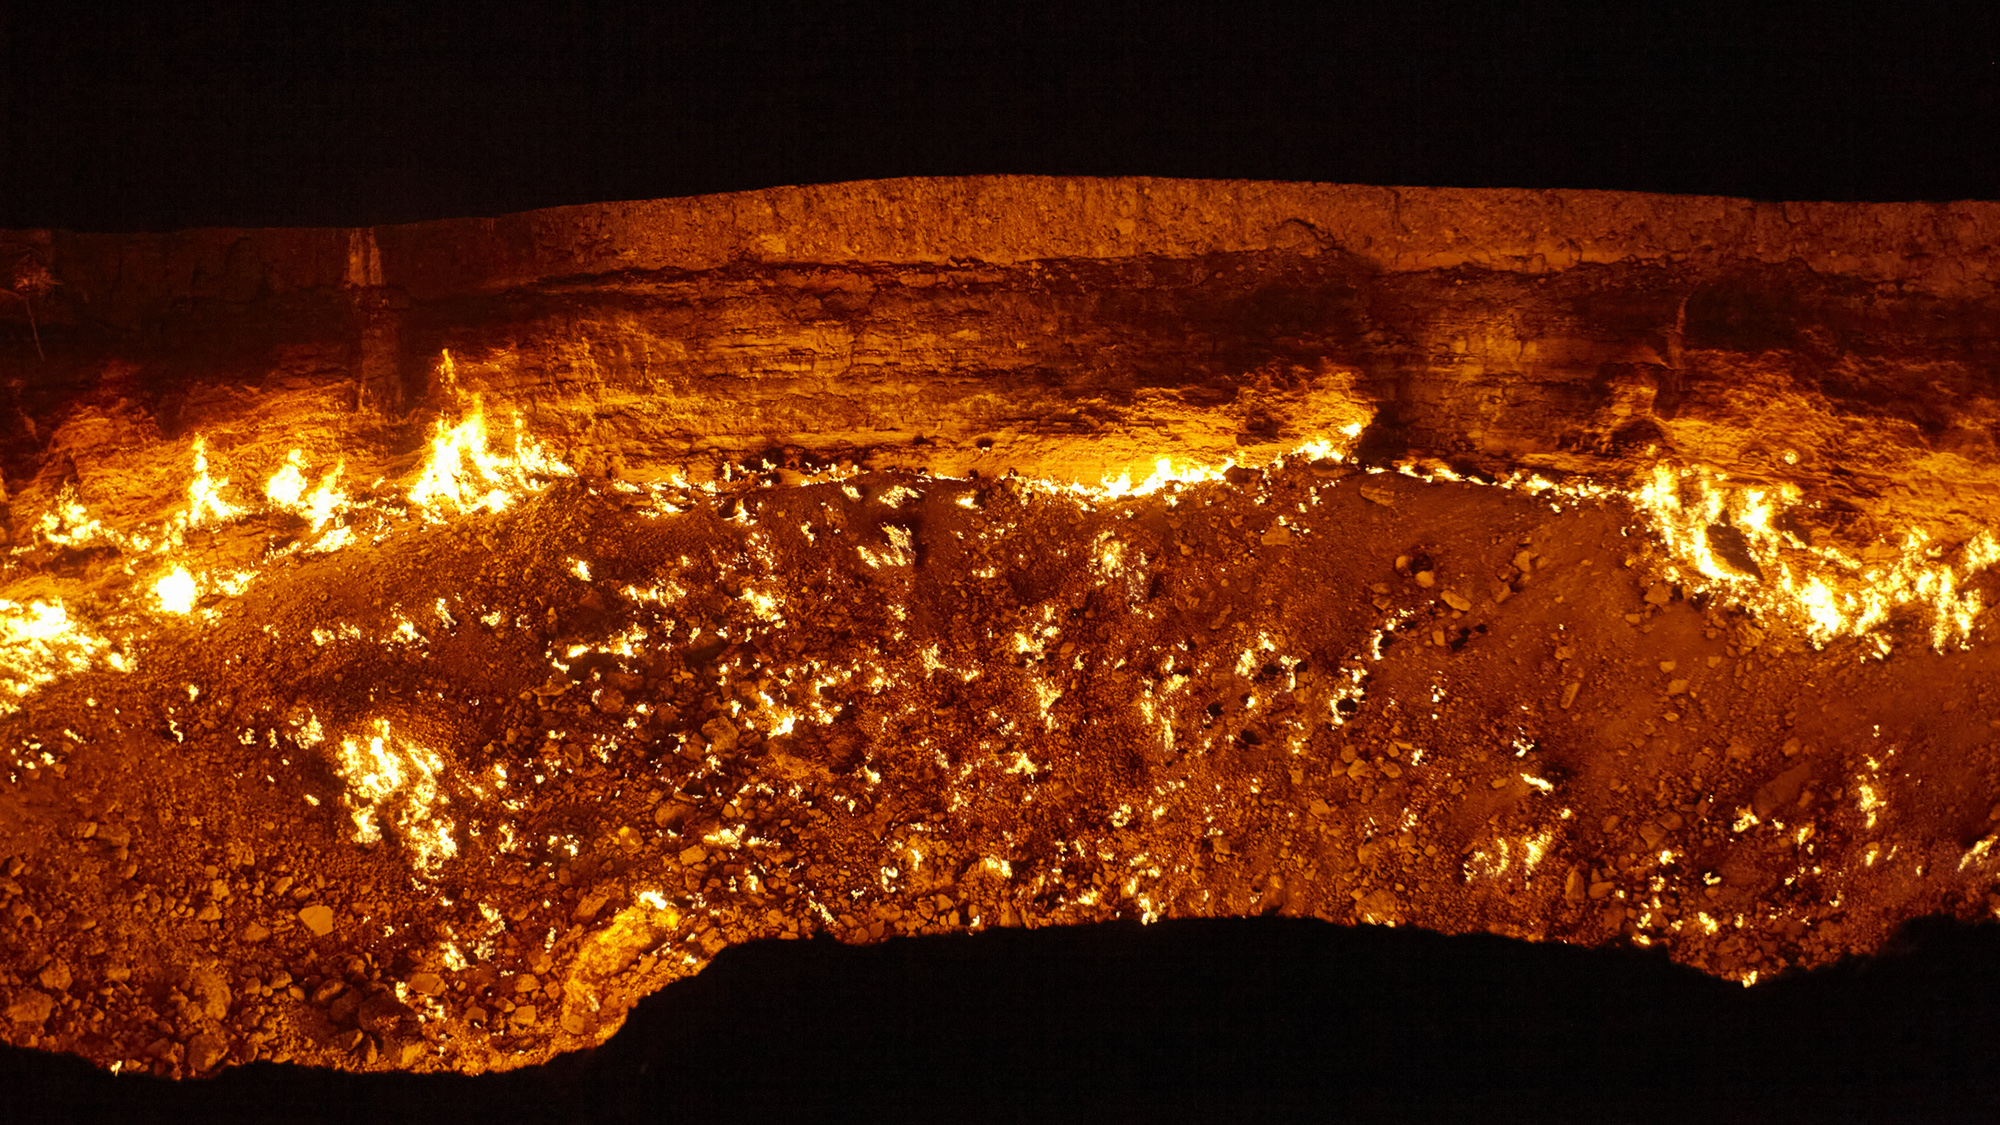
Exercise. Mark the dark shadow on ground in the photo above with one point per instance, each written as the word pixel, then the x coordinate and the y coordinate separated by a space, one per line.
pixel 1272 1019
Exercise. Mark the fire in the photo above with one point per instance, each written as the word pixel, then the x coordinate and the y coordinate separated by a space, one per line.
pixel 387 776
pixel 1828 591
pixel 176 591
pixel 205 502
pixel 39 643
pixel 465 475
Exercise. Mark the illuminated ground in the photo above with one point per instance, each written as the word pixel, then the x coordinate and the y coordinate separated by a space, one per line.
pixel 433 738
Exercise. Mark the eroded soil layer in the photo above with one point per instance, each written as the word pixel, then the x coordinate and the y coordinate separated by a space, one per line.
pixel 591 740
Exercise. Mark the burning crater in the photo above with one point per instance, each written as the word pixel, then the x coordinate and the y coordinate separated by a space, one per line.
pixel 417 644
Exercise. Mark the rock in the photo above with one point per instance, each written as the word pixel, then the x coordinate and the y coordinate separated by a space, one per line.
pixel 1676 687
pixel 1600 890
pixel 1659 594
pixel 327 990
pixel 1569 693
pixel 318 918
pixel 30 1006
pixel 523 1016
pixel 255 932
pixel 692 856
pixel 1278 536
pixel 1457 601
pixel 1376 494
pixel 382 1013
pixel 1426 578
pixel 588 906
pixel 55 976
pixel 209 913
pixel 209 988
pixel 204 1051
pixel 1781 790
pixel 426 984
pixel 720 733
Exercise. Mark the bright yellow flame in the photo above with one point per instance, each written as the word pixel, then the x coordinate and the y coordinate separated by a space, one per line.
pixel 465 475
pixel 288 483
pixel 390 777
pixel 205 502
pixel 176 591
pixel 38 643
pixel 1827 591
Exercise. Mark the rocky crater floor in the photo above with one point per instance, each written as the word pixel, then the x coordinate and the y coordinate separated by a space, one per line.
pixel 418 644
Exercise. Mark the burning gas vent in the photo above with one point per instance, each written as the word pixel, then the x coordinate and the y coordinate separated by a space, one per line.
pixel 417 644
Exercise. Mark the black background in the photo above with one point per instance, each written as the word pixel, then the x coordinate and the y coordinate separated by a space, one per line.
pixel 252 115
pixel 263 114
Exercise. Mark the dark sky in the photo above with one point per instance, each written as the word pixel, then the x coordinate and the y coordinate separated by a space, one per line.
pixel 254 114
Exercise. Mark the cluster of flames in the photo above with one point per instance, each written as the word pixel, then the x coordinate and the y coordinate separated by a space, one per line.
pixel 1826 592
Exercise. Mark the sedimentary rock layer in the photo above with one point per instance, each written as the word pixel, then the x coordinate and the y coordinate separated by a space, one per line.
pixel 420 642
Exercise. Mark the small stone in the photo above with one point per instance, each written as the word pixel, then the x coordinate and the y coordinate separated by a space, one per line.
pixel 318 918
pixel 692 856
pixel 1523 561
pixel 523 1016
pixel 1658 594
pixel 1569 693
pixel 86 830
pixel 1426 578
pixel 55 976
pixel 255 932
pixel 1278 536
pixel 426 984
pixel 1500 782
pixel 1667 665
pixel 327 990
pixel 1675 687
pixel 1377 495
pixel 1457 601
pixel 1599 890
pixel 350 1039
pixel 209 913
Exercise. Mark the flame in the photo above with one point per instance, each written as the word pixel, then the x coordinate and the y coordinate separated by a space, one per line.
pixel 1827 591
pixel 205 502
pixel 392 777
pixel 464 475
pixel 176 591
pixel 40 643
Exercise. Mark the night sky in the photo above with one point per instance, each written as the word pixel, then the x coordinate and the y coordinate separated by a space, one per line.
pixel 253 115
